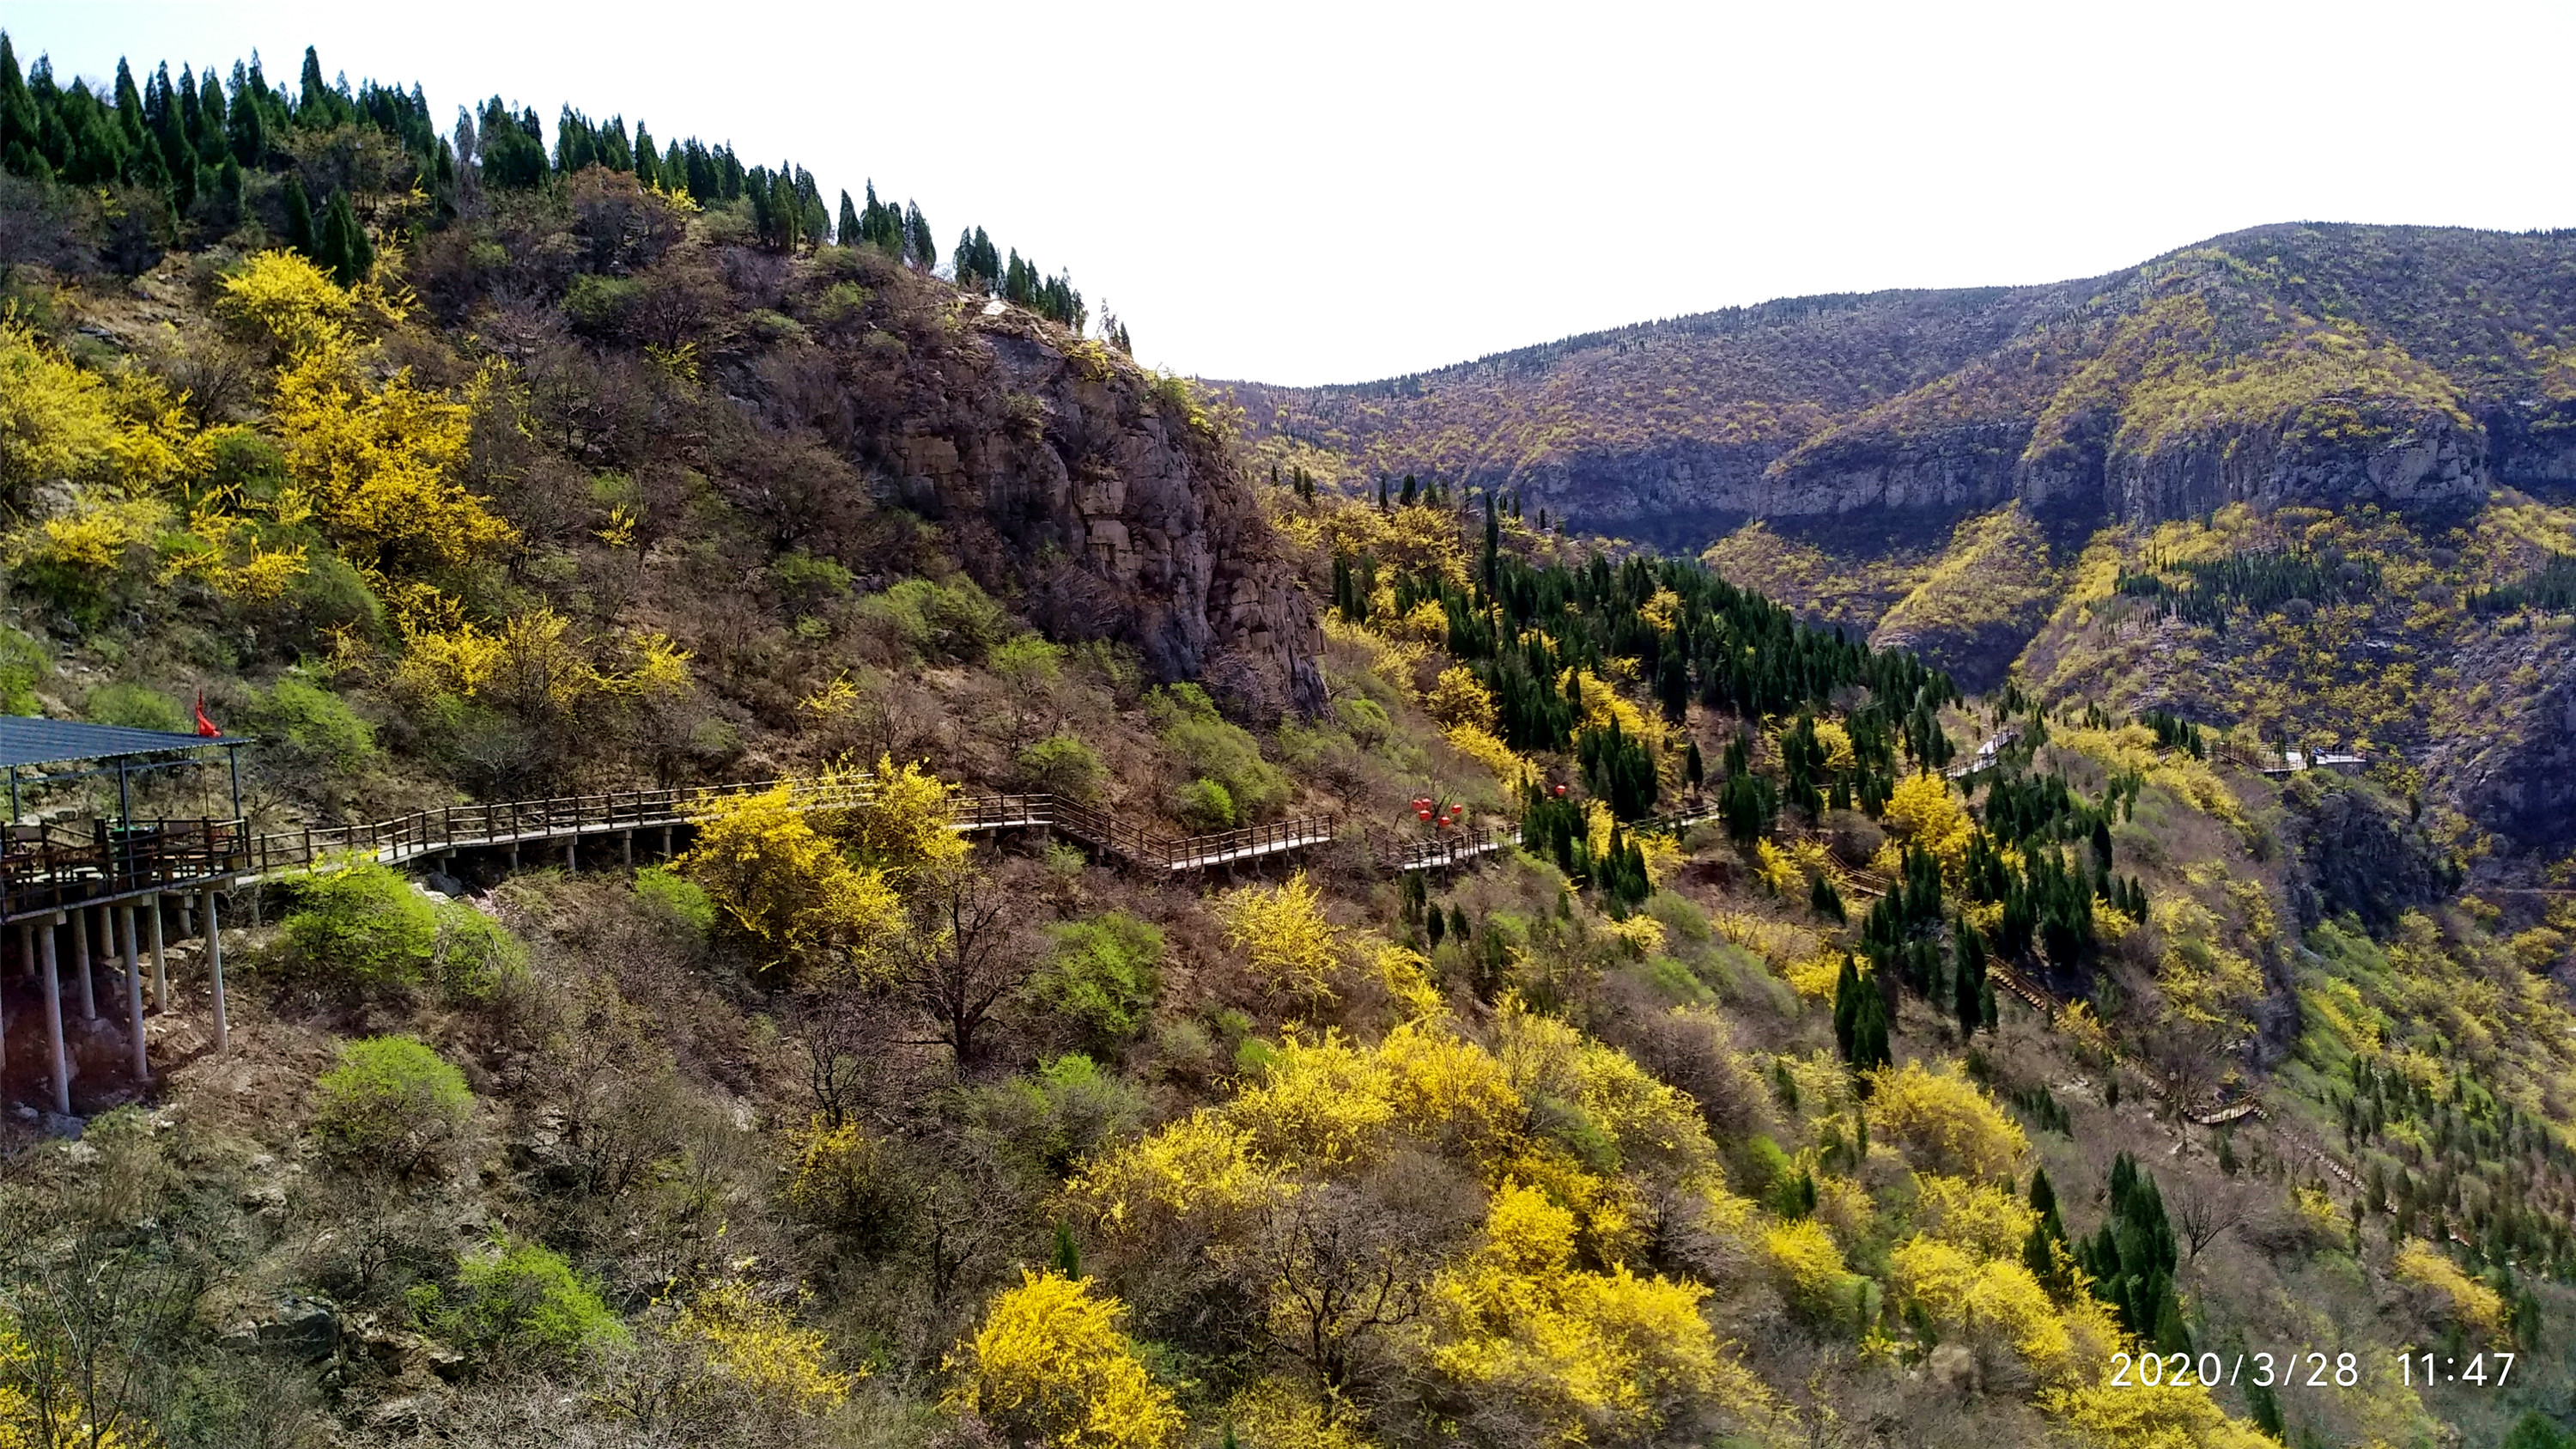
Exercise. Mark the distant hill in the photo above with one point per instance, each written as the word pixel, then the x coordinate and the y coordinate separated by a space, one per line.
pixel 2285 477
pixel 2309 363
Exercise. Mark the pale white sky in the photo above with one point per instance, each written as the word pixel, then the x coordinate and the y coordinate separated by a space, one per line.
pixel 1324 192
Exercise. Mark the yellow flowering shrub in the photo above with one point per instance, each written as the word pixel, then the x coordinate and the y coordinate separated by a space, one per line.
pixel 903 821
pixel 1201 1164
pixel 283 299
pixel 1282 930
pixel 756 1347
pixel 2476 1307
pixel 1588 1355
pixel 1809 1266
pixel 1924 812
pixel 1458 697
pixel 1487 749
pixel 1977 1216
pixel 1320 1102
pixel 374 463
pixel 2102 1416
pixel 779 884
pixel 2201 977
pixel 1944 1121
pixel 1049 1365
pixel 56 418
pixel 1981 1297
pixel 99 534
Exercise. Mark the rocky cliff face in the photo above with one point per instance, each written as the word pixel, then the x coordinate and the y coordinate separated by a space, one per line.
pixel 1114 514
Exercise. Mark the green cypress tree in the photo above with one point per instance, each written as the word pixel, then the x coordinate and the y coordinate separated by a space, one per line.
pixel 214 123
pixel 920 247
pixel 342 240
pixel 847 233
pixel 362 248
pixel 18 126
pixel 1458 924
pixel 648 162
pixel 313 106
pixel 299 216
pixel 1847 994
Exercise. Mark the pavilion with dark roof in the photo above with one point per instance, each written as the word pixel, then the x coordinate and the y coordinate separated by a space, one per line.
pixel 107 875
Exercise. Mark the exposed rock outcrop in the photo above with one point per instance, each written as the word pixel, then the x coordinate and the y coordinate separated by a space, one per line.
pixel 1118 514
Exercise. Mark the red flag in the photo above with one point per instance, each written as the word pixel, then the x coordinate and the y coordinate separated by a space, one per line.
pixel 205 727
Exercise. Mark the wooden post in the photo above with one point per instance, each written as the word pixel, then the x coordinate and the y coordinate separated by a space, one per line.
pixel 80 963
pixel 133 990
pixel 54 1022
pixel 215 967
pixel 160 968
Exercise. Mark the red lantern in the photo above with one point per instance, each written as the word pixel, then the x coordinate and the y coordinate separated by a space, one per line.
pixel 1560 790
pixel 1457 809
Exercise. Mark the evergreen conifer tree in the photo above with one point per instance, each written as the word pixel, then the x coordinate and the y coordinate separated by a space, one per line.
pixel 313 103
pixel 299 216
pixel 920 247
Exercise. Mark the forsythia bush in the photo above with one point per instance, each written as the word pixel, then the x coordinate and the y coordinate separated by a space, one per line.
pixel 285 300
pixel 779 883
pixel 1944 1122
pixel 2478 1307
pixel 759 1349
pixel 1049 1365
pixel 1592 1355
pixel 1282 928
pixel 1923 811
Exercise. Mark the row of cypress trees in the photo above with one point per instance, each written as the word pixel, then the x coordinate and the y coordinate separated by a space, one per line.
pixel 187 144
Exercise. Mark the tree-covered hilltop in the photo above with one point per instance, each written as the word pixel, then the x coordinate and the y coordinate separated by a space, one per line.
pixel 172 158
pixel 1604 1003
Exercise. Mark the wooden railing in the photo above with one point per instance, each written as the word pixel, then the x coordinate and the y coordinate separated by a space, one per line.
pixel 514 822
pixel 58 865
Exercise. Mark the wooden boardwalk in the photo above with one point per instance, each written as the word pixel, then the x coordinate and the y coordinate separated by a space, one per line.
pixel 566 822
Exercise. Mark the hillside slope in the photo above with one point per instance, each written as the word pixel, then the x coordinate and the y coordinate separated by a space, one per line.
pixel 1670 1022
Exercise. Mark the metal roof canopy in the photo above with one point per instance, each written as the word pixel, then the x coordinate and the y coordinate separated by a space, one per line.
pixel 25 740
pixel 28 740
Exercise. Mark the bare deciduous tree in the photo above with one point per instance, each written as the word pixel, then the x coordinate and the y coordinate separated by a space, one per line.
pixel 964 956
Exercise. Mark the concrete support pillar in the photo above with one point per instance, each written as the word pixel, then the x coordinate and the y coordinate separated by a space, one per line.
pixel 626 847
pixel 133 990
pixel 572 853
pixel 514 857
pixel 54 1021
pixel 666 842
pixel 160 967
pixel 215 968
pixel 80 964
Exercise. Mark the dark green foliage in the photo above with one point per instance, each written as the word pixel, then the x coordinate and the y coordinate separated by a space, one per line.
pixel 2039 1251
pixel 2550 588
pixel 2258 580
pixel 1968 990
pixel 1620 770
pixel 2175 733
pixel 2132 1259
pixel 978 265
pixel 1729 649
pixel 1860 1018
pixel 299 217
pixel 1824 900
pixel 345 250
